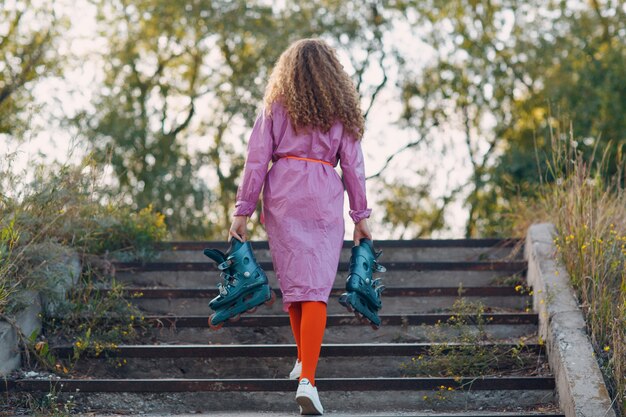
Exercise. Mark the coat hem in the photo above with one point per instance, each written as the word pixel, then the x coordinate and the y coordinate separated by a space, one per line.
pixel 303 297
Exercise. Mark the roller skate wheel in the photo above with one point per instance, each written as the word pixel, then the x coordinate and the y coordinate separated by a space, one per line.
pixel 214 326
pixel 252 310
pixel 375 327
pixel 235 318
pixel 271 300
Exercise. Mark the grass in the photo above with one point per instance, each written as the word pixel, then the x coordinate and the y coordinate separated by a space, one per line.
pixel 588 207
pixel 476 355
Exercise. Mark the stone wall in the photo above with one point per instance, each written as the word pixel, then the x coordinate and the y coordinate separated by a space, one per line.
pixel 579 383
pixel 61 270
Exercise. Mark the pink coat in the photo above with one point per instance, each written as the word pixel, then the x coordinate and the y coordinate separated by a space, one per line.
pixel 302 200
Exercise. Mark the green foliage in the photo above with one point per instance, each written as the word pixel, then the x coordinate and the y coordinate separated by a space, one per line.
pixel 131 234
pixel 183 82
pixel 62 204
pixel 51 404
pixel 469 355
pixel 93 321
pixel 29 32
pixel 410 211
pixel 43 354
pixel 173 60
pixel 500 69
pixel 55 233
pixel 9 237
pixel 588 206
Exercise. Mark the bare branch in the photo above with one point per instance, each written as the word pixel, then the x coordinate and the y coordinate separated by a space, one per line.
pixel 379 87
pixel 185 123
pixel 361 70
pixel 192 82
pixel 492 147
pixel 393 155
pixel 468 139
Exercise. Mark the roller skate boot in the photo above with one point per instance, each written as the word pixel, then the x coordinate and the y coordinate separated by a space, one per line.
pixel 362 294
pixel 245 285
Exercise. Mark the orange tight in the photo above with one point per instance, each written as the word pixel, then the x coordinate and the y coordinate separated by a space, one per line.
pixel 308 322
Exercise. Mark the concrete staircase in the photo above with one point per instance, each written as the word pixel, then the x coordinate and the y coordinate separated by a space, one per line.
pixel 183 367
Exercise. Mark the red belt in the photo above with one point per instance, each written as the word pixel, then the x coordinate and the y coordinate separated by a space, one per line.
pixel 308 159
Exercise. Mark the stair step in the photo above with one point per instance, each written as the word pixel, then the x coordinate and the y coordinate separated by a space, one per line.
pixel 510 266
pixel 392 278
pixel 199 245
pixel 423 250
pixel 503 291
pixel 469 413
pixel 343 320
pixel 279 367
pixel 391 305
pixel 269 385
pixel 258 329
pixel 170 397
pixel 279 350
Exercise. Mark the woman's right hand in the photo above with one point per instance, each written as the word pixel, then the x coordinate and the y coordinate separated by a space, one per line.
pixel 238 229
pixel 361 230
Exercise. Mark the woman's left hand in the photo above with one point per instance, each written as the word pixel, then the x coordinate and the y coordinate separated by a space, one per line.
pixel 361 230
pixel 238 229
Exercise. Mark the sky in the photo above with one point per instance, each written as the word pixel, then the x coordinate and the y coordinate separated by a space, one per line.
pixel 74 91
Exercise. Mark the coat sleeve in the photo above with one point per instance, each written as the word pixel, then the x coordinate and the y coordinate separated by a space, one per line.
pixel 352 166
pixel 260 148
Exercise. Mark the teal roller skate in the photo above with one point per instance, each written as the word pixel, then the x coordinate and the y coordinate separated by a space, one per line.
pixel 245 285
pixel 363 292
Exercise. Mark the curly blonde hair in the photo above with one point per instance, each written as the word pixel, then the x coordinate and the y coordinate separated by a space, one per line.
pixel 314 88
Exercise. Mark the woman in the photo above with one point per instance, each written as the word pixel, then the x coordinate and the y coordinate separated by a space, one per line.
pixel 311 121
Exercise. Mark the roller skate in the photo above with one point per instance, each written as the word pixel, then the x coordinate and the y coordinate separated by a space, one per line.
pixel 363 292
pixel 245 285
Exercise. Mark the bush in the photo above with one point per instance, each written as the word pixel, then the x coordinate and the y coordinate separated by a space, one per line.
pixel 66 204
pixel 54 230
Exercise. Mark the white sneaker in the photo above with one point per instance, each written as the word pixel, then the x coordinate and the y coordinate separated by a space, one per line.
pixel 308 400
pixel 296 371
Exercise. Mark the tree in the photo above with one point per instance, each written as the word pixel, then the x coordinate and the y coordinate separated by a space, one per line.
pixel 500 69
pixel 27 54
pixel 179 71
